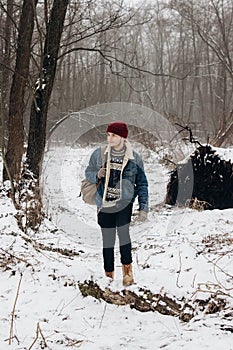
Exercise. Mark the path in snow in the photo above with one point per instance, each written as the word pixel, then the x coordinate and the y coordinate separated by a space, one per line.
pixel 64 170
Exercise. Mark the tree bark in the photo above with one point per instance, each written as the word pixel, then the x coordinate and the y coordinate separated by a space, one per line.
pixel 15 145
pixel 6 75
pixel 145 301
pixel 43 89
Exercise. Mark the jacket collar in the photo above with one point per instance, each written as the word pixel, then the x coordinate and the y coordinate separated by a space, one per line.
pixel 128 151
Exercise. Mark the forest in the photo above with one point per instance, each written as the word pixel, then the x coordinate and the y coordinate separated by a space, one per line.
pixel 166 67
pixel 63 56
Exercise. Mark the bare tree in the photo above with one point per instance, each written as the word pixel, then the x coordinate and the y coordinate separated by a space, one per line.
pixel 7 24
pixel 44 86
pixel 212 23
pixel 174 57
pixel 15 145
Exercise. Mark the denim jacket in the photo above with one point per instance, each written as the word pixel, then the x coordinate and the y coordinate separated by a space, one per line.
pixel 133 178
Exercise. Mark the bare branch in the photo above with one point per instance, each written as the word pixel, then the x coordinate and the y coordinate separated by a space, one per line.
pixel 13 310
pixel 111 59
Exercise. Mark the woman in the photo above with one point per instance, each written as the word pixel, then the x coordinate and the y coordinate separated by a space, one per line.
pixel 121 180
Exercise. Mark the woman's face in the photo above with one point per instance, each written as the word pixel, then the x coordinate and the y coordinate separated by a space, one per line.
pixel 115 141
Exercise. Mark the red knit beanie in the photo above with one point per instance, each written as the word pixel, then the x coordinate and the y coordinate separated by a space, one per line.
pixel 118 128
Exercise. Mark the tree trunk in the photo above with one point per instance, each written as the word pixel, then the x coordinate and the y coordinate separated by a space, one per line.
pixel 6 75
pixel 15 145
pixel 39 108
pixel 145 301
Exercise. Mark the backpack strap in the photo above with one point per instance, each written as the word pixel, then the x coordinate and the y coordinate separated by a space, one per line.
pixel 103 148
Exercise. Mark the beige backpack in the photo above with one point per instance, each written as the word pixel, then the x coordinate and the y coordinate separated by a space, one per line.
pixel 89 189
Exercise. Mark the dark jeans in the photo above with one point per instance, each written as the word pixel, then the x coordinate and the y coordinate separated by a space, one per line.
pixel 110 223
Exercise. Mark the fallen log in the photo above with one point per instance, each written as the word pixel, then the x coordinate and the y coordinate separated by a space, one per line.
pixel 143 302
pixel 146 301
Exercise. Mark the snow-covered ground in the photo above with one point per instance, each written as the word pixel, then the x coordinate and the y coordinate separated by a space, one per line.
pixel 181 252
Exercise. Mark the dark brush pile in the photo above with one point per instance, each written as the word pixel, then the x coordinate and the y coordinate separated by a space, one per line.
pixel 205 179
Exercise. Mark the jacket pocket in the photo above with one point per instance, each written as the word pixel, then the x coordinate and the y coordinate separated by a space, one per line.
pixel 129 172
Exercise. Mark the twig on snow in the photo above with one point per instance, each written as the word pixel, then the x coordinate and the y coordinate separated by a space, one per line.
pixel 216 266
pixel 15 257
pixel 13 310
pixel 179 271
pixel 105 307
pixel 38 331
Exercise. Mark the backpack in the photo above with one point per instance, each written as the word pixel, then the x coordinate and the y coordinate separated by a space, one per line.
pixel 88 189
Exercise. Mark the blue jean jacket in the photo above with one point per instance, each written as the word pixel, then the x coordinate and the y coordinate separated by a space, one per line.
pixel 133 182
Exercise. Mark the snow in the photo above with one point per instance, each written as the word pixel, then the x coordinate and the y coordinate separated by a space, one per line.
pixel 178 251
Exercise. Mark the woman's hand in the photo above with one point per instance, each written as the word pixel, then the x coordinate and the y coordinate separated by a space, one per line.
pixel 101 173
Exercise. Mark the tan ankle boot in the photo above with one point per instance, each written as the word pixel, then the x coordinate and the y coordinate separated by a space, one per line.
pixel 127 275
pixel 109 274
